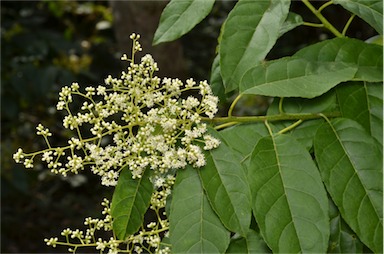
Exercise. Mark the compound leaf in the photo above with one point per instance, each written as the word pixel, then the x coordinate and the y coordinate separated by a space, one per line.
pixel 130 201
pixel 179 17
pixel 194 226
pixel 350 163
pixel 289 200
pixel 250 31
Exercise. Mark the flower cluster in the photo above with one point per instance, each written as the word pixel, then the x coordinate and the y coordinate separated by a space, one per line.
pixel 137 120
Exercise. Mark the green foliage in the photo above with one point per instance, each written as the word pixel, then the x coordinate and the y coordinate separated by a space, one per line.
pixel 353 176
pixel 289 200
pixel 315 184
pixel 227 188
pixel 130 201
pixel 305 177
pixel 179 17
pixel 194 226
pixel 248 34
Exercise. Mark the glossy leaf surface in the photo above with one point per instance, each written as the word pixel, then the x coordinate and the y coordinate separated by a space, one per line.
pixel 194 226
pixel 289 200
pixel 179 17
pixel 369 10
pixel 130 201
pixel 368 58
pixel 250 31
pixel 226 185
pixel 295 77
pixel 351 167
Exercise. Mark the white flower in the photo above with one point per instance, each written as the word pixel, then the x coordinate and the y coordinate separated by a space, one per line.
pixel 74 163
pixel 110 178
pixel 52 241
pixel 210 142
pixel 47 156
pixel 19 155
pixel 43 132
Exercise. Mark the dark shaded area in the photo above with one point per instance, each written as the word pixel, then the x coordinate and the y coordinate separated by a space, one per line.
pixel 48 44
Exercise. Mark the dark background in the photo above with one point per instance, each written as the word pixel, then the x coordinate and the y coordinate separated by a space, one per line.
pixel 48 44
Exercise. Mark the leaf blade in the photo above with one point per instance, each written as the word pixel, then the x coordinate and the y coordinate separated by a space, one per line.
pixel 251 243
pixel 363 102
pixel 130 201
pixel 226 185
pixel 369 10
pixel 368 58
pixel 352 174
pixel 295 77
pixel 289 200
pixel 244 42
pixel 292 21
pixel 194 226
pixel 179 17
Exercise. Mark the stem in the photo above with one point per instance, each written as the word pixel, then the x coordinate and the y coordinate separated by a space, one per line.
pixel 279 117
pixel 234 104
pixel 313 24
pixel 348 24
pixel 292 126
pixel 269 128
pixel 325 6
pixel 224 125
pixel 323 20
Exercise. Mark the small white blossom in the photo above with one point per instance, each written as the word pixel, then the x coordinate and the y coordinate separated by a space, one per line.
pixel 52 241
pixel 19 155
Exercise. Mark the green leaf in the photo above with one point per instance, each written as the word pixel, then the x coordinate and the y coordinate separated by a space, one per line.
pixel 295 77
pixel 369 10
pixel 368 58
pixel 194 226
pixel 289 200
pixel 130 201
pixel 179 17
pixel 292 21
pixel 324 103
pixel 351 167
pixel 243 138
pixel 250 31
pixel 226 185
pixel 251 243
pixel 216 80
pixel 363 102
pixel 342 238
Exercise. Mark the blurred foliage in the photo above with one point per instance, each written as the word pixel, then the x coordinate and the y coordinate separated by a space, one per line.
pixel 48 44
